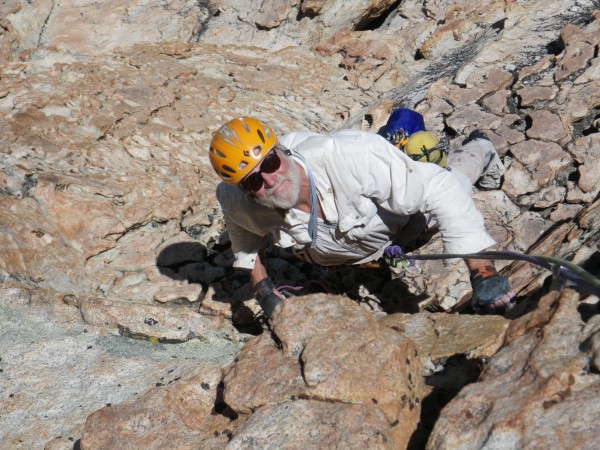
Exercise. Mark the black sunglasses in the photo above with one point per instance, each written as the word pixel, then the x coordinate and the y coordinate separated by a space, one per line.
pixel 253 182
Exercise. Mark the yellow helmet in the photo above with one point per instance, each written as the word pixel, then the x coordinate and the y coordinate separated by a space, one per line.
pixel 424 146
pixel 239 146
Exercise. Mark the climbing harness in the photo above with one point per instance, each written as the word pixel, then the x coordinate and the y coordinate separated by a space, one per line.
pixel 559 267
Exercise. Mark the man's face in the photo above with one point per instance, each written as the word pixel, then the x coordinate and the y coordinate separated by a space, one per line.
pixel 280 188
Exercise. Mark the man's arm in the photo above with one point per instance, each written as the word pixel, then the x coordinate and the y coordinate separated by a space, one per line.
pixel 259 271
pixel 403 186
pixel 264 290
pixel 248 244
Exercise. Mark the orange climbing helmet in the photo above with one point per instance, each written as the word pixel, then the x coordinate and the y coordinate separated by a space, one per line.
pixel 239 146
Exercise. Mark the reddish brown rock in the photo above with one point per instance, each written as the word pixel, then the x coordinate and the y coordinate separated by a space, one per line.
pixel 497 103
pixel 315 424
pixel 179 416
pixel 330 350
pixel 471 117
pixel 579 49
pixel 106 189
pixel 580 100
pixel 273 15
pixel 546 126
pixel 537 391
pixel 527 230
pixel 32 248
pixel 532 94
pixel 587 153
pixel 441 335
pixel 543 160
pixel 564 212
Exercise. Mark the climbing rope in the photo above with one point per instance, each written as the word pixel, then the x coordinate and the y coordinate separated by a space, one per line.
pixel 560 268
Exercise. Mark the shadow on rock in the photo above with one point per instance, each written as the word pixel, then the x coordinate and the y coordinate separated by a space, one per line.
pixel 457 371
pixel 187 261
pixel 224 289
pixel 377 288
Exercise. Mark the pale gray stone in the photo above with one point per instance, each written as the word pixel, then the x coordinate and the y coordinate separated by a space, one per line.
pixel 57 369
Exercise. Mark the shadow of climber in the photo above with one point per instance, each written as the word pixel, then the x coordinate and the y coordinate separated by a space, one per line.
pixel 187 261
pixel 192 262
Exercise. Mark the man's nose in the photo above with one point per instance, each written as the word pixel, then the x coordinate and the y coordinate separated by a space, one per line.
pixel 269 179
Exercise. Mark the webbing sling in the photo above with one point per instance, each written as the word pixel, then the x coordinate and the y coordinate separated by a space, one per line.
pixel 313 220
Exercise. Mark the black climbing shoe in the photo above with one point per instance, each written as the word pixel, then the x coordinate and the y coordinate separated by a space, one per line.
pixel 474 135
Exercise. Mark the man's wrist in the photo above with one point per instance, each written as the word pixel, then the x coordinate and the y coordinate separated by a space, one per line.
pixel 483 271
pixel 265 294
pixel 263 288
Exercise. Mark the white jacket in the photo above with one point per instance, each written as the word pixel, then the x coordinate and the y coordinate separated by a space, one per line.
pixel 368 190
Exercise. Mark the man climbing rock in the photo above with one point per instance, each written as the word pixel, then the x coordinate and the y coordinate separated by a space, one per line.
pixel 344 198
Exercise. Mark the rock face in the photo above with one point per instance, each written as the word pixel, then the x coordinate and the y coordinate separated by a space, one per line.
pixel 331 351
pixel 440 335
pixel 317 380
pixel 314 424
pixel 179 415
pixel 89 198
pixel 92 28
pixel 538 390
pixel 57 369
pixel 117 284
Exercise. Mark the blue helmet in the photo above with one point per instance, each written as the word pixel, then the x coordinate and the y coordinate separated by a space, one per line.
pixel 402 123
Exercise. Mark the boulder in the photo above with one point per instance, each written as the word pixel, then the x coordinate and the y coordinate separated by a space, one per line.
pixel 538 390
pixel 178 415
pixel 329 349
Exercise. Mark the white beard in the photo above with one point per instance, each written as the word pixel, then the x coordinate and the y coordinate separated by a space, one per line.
pixel 288 197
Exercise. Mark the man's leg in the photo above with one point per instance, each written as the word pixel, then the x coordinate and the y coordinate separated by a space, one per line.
pixel 478 160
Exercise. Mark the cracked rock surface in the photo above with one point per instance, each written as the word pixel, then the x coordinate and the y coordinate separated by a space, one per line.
pixel 122 322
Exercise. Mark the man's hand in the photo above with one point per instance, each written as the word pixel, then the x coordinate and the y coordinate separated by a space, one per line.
pixel 264 290
pixel 491 292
